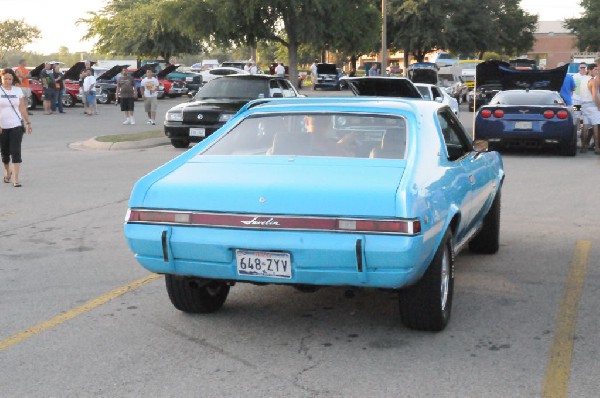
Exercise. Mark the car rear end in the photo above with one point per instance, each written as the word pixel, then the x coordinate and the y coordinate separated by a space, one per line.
pixel 526 126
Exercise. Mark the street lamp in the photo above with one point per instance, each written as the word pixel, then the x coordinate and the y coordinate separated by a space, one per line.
pixel 383 37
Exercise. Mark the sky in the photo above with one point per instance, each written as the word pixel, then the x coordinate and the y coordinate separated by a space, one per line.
pixel 63 32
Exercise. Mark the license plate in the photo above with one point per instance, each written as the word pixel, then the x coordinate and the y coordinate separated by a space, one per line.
pixel 523 125
pixel 197 132
pixel 189 78
pixel 259 263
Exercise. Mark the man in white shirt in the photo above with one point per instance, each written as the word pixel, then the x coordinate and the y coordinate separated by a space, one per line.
pixel 280 70
pixel 149 88
pixel 313 74
pixel 89 90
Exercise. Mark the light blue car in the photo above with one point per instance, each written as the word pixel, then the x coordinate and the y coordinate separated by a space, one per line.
pixel 368 192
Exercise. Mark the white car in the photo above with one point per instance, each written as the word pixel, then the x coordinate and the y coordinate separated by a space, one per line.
pixel 431 92
pixel 210 74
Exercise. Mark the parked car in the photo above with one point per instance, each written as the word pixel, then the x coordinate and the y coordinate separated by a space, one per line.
pixel 211 74
pixel 106 84
pixel 72 95
pixel 328 76
pixel 423 72
pixel 216 102
pixel 432 92
pixel 318 192
pixel 445 59
pixel 529 111
pixel 172 87
pixel 234 64
pixel 193 81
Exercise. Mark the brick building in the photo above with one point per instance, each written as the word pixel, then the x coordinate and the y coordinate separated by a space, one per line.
pixel 553 44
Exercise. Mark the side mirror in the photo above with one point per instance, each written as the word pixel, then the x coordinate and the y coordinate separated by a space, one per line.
pixel 481 145
pixel 438 99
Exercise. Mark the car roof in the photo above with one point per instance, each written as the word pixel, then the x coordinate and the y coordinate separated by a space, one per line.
pixel 346 104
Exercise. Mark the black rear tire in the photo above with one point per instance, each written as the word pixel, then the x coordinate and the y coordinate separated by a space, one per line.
pixel 194 295
pixel 180 143
pixel 487 240
pixel 570 149
pixel 427 304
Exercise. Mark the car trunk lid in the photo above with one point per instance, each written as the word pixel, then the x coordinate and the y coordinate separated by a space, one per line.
pixel 281 185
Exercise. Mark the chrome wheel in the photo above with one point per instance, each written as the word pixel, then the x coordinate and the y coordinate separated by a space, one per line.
pixel 445 278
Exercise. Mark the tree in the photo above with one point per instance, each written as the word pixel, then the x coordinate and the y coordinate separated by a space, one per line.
pixel 16 34
pixel 140 28
pixel 586 28
pixel 476 26
pixel 291 23
pixel 416 26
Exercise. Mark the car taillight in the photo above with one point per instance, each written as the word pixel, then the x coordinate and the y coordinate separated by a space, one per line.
pixel 548 114
pixel 562 114
pixel 275 222
pixel 485 113
pixel 498 113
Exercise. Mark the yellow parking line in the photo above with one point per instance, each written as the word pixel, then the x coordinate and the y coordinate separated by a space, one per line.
pixel 558 368
pixel 88 306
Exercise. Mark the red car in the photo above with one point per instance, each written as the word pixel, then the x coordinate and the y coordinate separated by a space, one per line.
pixel 71 80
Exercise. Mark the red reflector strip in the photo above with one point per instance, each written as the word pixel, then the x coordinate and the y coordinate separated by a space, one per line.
pixel 395 226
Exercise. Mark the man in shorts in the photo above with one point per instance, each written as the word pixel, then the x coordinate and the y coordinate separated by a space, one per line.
pixel 127 94
pixel 149 89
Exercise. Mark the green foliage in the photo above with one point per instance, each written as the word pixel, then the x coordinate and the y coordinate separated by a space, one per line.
pixel 587 28
pixel 139 28
pixel 15 34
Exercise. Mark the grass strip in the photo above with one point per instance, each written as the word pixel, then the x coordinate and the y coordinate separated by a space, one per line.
pixel 131 137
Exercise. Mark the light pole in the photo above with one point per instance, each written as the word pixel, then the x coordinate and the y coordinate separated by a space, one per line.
pixel 383 37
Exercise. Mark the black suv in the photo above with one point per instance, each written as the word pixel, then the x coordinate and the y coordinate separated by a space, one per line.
pixel 217 102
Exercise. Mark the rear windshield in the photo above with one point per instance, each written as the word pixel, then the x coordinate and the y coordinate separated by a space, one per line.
pixel 224 87
pixel 320 135
pixel 527 98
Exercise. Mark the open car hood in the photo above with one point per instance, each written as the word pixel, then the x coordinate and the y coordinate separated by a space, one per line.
pixel 35 72
pixel 383 86
pixel 112 72
pixel 163 73
pixel 327 69
pixel 423 75
pixel 75 70
pixel 500 74
pixel 141 71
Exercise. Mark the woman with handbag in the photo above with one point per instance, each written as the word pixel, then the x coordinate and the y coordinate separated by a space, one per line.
pixel 14 122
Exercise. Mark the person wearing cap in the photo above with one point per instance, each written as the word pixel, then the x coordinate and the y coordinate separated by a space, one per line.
pixel 49 87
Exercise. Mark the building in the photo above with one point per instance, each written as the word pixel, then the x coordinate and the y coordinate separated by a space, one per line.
pixel 553 44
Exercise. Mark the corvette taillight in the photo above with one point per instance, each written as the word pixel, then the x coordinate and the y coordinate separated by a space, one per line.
pixel 276 222
pixel 548 114
pixel 562 114
pixel 498 113
pixel 485 113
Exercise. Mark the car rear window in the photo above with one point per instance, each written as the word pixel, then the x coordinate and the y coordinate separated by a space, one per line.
pixel 312 134
pixel 225 87
pixel 531 97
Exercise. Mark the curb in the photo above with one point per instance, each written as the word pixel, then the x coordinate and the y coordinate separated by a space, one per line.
pixel 93 144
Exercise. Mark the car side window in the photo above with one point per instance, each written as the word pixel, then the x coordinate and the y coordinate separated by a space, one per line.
pixel 436 92
pixel 455 137
pixel 285 88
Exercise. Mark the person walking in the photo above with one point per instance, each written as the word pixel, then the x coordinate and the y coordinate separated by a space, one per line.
pixel 49 88
pixel 89 90
pixel 14 122
pixel 149 87
pixel 60 89
pixel 24 75
pixel 127 93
